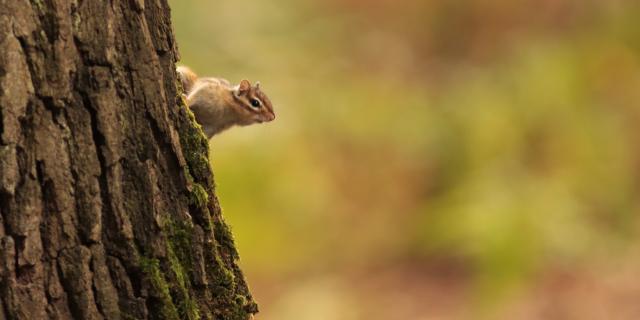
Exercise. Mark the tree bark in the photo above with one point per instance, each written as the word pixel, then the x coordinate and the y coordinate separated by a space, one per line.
pixel 107 200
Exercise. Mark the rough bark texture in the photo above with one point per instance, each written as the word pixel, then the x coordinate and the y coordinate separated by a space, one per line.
pixel 107 200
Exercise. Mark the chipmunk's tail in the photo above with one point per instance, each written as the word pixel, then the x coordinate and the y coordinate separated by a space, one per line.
pixel 187 77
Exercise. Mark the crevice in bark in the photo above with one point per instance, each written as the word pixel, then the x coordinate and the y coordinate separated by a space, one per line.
pixel 162 139
pixel 2 310
pixel 18 245
pixel 73 308
pixel 99 142
pixel 2 143
pixel 4 206
pixel 26 49
pixel 49 263
pixel 95 291
pixel 47 20
pixel 5 310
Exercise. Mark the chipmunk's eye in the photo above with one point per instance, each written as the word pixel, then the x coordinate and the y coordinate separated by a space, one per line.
pixel 255 103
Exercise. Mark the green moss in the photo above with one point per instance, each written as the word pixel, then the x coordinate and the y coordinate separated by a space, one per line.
pixel 187 308
pixel 199 196
pixel 39 5
pixel 179 236
pixel 180 243
pixel 224 237
pixel 224 279
pixel 195 148
pixel 231 299
pixel 151 268
pixel 77 19
pixel 241 300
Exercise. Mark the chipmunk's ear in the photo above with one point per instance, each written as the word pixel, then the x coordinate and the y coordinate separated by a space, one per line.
pixel 245 85
pixel 257 84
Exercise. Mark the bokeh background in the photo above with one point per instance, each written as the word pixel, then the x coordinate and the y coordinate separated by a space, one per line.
pixel 431 159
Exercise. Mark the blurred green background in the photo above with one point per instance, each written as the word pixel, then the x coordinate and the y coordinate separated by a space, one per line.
pixel 435 159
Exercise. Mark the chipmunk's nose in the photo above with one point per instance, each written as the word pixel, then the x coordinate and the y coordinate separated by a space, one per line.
pixel 272 116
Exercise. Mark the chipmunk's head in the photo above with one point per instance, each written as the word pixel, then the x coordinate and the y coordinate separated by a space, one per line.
pixel 255 106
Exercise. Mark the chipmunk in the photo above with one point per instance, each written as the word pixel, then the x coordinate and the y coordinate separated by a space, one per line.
pixel 217 105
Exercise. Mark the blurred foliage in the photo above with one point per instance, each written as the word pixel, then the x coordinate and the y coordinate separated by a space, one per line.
pixel 497 137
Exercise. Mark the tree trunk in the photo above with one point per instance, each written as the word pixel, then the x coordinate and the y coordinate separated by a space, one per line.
pixel 107 201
